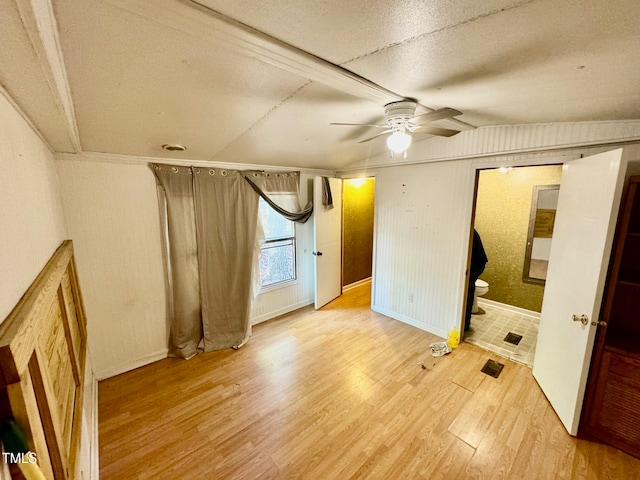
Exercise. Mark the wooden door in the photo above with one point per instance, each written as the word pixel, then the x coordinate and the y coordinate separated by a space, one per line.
pixel 612 406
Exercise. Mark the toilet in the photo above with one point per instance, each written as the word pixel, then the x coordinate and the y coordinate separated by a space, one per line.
pixel 482 288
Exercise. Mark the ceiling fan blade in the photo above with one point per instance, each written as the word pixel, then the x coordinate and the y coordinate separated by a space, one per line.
pixel 441 132
pixel 375 136
pixel 438 114
pixel 361 125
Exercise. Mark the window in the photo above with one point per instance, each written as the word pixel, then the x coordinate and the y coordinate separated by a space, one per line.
pixel 278 259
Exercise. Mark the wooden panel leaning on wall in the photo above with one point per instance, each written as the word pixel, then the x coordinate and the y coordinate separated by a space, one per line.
pixel 43 344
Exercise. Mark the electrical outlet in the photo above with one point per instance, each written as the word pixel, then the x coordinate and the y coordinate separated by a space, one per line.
pixel 411 297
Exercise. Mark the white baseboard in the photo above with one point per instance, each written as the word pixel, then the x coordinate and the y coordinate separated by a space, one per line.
pixel 364 281
pixel 125 367
pixel 105 373
pixel 280 311
pixel 509 308
pixel 410 321
pixel 94 473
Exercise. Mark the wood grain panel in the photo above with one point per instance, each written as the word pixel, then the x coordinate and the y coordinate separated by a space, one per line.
pixel 60 368
pixel 49 418
pixel 42 353
pixel 72 322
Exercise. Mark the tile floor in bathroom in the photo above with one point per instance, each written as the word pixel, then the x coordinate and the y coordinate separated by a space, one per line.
pixel 489 330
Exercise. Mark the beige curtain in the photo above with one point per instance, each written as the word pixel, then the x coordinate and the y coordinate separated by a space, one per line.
pixel 226 212
pixel 212 243
pixel 183 279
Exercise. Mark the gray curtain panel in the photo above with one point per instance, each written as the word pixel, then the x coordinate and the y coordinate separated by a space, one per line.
pixel 327 198
pixel 226 219
pixel 210 219
pixel 183 279
pixel 275 183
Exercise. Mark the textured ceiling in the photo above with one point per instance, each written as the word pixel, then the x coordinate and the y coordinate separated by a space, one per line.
pixel 226 79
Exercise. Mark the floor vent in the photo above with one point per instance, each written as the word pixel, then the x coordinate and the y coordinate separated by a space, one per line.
pixel 492 368
pixel 513 338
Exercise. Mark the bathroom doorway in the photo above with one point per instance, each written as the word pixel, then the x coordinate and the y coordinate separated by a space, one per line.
pixel 515 223
pixel 357 231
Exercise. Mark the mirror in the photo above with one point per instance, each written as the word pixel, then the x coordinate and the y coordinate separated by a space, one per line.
pixel 541 219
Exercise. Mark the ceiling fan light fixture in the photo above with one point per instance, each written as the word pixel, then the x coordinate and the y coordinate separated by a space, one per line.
pixel 398 142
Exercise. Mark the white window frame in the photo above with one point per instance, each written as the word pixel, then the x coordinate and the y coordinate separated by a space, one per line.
pixel 293 238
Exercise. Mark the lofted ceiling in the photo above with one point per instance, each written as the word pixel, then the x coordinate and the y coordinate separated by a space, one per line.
pixel 259 81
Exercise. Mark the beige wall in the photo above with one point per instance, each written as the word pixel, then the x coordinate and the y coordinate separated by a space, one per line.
pixel 502 220
pixel 32 225
pixel 357 240
pixel 112 215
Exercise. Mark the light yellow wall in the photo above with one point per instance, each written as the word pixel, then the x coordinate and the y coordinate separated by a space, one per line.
pixel 502 220
pixel 357 198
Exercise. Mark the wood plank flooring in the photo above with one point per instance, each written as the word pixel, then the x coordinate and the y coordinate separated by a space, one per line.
pixel 339 393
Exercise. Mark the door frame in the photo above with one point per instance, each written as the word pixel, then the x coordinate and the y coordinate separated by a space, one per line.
pixel 351 176
pixel 479 169
pixel 552 160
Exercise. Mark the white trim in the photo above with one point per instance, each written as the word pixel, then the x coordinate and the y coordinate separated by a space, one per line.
pixel 94 472
pixel 509 308
pixel 358 173
pixel 618 142
pixel 139 160
pixel 40 24
pixel 162 354
pixel 277 286
pixel 502 143
pixel 280 311
pixel 353 285
pixel 409 321
pixel 131 365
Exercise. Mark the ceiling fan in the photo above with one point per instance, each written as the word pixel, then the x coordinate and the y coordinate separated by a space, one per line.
pixel 401 120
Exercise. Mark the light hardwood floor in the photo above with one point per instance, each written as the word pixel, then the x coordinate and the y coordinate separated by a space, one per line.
pixel 339 393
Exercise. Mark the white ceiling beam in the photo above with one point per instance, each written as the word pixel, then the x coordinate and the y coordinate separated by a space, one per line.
pixel 41 27
pixel 195 18
pixel 280 54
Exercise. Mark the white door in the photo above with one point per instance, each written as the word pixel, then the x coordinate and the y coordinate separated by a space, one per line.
pixel 327 232
pixel 583 234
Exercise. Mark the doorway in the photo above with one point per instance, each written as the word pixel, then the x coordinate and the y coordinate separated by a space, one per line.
pixel 509 224
pixel 358 195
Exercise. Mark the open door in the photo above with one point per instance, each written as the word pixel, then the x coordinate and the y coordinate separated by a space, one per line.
pixel 583 235
pixel 327 233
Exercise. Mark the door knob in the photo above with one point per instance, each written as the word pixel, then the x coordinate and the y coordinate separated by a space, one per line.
pixel 318 254
pixel 601 323
pixel 583 319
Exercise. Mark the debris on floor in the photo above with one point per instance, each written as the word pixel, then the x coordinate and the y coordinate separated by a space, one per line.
pixel 439 349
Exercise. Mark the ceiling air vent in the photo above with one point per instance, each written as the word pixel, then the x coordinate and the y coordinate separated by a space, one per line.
pixel 174 147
